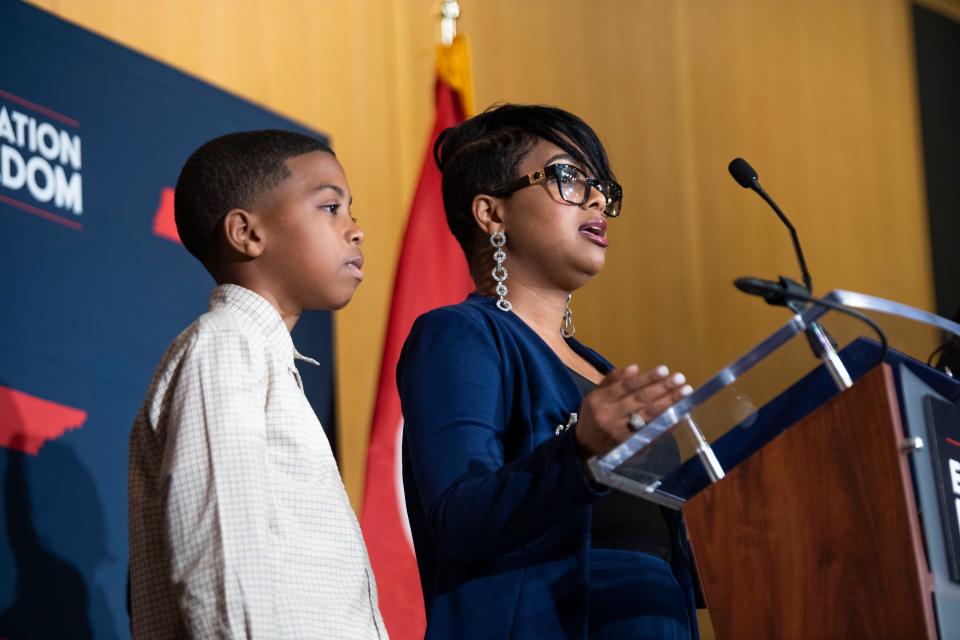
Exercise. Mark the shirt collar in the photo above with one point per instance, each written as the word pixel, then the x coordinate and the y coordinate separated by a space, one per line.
pixel 262 315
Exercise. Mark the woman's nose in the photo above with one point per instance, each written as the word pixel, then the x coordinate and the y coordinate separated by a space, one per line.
pixel 595 199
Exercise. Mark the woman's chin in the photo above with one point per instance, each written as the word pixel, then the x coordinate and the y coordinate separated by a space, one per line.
pixel 581 276
pixel 594 264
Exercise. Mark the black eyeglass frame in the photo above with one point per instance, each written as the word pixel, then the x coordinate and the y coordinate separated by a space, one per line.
pixel 614 201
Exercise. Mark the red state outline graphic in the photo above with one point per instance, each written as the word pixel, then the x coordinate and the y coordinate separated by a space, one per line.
pixel 164 224
pixel 28 422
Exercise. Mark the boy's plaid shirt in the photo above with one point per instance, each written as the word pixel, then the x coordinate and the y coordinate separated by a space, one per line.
pixel 239 522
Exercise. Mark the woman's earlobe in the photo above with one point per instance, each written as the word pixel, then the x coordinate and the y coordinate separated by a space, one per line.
pixel 486 213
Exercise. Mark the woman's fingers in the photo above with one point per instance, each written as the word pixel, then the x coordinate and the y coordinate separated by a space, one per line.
pixel 617 375
pixel 660 388
pixel 636 391
pixel 652 400
pixel 654 408
pixel 631 380
pixel 606 410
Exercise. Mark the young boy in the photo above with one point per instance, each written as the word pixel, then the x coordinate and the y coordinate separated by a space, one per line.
pixel 239 523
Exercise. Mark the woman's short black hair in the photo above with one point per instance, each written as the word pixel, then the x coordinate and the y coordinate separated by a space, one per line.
pixel 484 152
pixel 230 172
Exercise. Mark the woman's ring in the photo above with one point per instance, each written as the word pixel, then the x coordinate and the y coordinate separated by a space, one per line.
pixel 636 422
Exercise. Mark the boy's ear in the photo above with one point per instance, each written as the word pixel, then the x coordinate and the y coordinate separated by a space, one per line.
pixel 487 212
pixel 244 233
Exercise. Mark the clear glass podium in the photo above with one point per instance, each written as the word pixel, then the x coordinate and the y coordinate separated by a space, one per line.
pixel 749 402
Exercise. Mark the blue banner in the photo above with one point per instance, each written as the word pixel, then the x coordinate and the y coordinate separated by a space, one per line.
pixel 93 287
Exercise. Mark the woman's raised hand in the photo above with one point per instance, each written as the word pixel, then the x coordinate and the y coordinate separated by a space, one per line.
pixel 604 420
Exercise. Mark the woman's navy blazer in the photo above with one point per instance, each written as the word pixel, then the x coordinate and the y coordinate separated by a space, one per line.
pixel 498 503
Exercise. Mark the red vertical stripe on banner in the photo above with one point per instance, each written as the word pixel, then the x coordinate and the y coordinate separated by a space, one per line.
pixel 431 272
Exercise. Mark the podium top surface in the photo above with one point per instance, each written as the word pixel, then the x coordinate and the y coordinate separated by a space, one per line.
pixel 763 392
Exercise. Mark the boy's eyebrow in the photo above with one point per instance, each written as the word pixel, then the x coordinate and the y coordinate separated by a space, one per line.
pixel 339 191
pixel 321 187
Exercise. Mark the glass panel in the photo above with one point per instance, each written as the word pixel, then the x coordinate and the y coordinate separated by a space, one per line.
pixel 761 394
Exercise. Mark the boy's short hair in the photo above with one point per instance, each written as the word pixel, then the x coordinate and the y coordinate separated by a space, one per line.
pixel 230 172
pixel 483 153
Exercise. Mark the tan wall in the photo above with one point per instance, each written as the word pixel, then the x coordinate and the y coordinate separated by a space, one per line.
pixel 817 94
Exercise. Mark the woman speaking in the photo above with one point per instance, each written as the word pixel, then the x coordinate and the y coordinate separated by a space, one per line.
pixel 502 407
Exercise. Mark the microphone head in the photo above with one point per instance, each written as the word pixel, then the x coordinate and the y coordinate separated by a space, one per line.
pixel 756 286
pixel 776 293
pixel 743 173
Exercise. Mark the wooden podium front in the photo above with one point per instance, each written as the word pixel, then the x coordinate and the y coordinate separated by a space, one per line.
pixel 816 535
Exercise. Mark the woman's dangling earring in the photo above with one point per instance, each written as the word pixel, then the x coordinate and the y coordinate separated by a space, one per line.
pixel 567 329
pixel 498 239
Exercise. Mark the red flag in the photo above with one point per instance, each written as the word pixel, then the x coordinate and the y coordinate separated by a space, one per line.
pixel 431 272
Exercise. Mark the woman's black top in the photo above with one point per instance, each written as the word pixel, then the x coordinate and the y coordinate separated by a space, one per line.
pixel 623 521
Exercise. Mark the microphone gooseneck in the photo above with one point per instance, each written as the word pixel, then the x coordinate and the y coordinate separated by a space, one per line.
pixel 746 177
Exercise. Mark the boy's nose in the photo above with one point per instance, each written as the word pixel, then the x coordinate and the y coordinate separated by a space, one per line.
pixel 355 234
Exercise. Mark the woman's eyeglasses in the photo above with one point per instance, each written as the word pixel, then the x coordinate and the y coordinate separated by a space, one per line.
pixel 574 186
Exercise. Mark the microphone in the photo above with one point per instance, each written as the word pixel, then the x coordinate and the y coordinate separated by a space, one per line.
pixel 788 293
pixel 746 177
pixel 743 173
pixel 784 292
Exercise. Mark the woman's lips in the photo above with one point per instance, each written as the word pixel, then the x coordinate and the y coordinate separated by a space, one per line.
pixel 595 231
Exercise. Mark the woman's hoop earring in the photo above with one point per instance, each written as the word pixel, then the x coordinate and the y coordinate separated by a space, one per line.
pixel 567 329
pixel 498 240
